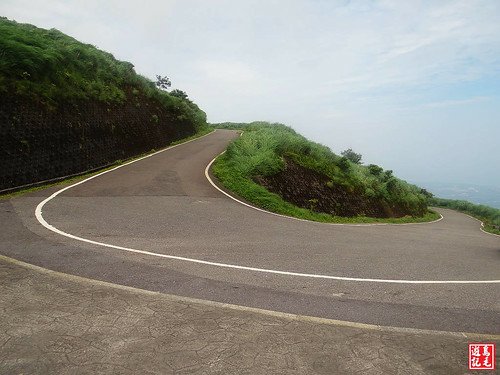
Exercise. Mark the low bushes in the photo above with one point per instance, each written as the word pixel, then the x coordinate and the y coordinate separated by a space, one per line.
pixel 262 152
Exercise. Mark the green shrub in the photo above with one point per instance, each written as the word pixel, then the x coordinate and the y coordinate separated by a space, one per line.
pixel 261 150
pixel 375 169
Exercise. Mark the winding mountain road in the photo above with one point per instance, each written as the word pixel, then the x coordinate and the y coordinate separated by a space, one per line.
pixel 159 224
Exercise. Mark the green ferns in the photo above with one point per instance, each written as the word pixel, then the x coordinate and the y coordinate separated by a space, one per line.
pixel 261 151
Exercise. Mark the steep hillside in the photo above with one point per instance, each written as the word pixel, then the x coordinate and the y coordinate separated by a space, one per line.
pixel 275 168
pixel 67 107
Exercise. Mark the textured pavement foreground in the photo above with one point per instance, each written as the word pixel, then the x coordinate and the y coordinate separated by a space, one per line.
pixel 50 323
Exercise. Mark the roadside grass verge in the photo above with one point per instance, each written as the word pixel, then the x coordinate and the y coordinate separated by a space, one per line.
pixel 260 151
pixel 488 215
pixel 84 175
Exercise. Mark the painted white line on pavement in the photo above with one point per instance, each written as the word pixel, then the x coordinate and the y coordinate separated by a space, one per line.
pixel 41 220
pixel 482 225
pixel 278 314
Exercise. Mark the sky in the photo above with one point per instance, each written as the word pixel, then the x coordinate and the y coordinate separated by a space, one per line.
pixel 413 86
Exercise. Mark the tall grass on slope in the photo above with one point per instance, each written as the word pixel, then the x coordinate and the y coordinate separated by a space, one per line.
pixel 260 151
pixel 53 69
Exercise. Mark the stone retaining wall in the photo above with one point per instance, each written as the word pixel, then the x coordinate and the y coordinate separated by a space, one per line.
pixel 38 143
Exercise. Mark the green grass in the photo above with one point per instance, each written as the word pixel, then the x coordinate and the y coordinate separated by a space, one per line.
pixel 488 215
pixel 260 151
pixel 54 69
pixel 83 176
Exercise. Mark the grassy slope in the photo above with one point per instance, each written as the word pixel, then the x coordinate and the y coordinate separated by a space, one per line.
pixel 259 152
pixel 54 69
pixel 488 215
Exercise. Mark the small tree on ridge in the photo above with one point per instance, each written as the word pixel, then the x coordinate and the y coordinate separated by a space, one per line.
pixel 352 156
pixel 163 83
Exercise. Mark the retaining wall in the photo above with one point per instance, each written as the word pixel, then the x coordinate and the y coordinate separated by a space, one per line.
pixel 39 143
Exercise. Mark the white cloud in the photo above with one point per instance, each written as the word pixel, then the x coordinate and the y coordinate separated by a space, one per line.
pixel 224 72
pixel 447 103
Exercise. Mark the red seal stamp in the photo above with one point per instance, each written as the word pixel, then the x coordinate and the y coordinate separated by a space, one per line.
pixel 482 356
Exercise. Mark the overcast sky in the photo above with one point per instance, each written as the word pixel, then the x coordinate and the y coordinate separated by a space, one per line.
pixel 412 85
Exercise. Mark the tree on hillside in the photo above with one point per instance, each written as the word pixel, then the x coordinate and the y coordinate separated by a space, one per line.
pixel 344 164
pixel 427 193
pixel 387 175
pixel 375 169
pixel 179 94
pixel 163 83
pixel 352 156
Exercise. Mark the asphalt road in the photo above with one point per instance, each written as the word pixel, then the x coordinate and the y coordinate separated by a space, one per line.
pixel 165 205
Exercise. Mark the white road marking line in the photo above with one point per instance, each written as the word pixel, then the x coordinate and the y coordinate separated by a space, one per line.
pixel 482 225
pixel 41 220
pixel 278 314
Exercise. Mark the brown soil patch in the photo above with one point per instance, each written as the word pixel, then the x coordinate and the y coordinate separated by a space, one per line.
pixel 309 189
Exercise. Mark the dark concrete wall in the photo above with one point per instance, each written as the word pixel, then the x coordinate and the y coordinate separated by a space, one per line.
pixel 40 143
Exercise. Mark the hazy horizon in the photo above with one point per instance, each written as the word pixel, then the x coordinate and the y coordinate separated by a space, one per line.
pixel 413 86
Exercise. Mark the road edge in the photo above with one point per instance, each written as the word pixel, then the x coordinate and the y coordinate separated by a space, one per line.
pixel 276 314
pixel 44 223
pixel 228 194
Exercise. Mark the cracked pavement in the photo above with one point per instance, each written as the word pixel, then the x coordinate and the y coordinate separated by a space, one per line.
pixel 52 323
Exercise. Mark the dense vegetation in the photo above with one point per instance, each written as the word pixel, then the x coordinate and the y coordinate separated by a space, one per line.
pixel 67 107
pixel 54 69
pixel 488 215
pixel 263 149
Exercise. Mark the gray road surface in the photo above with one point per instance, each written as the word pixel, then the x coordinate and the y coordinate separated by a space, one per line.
pixel 164 204
pixel 57 324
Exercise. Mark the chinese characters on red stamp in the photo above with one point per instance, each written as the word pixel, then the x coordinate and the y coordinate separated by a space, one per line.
pixel 482 356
